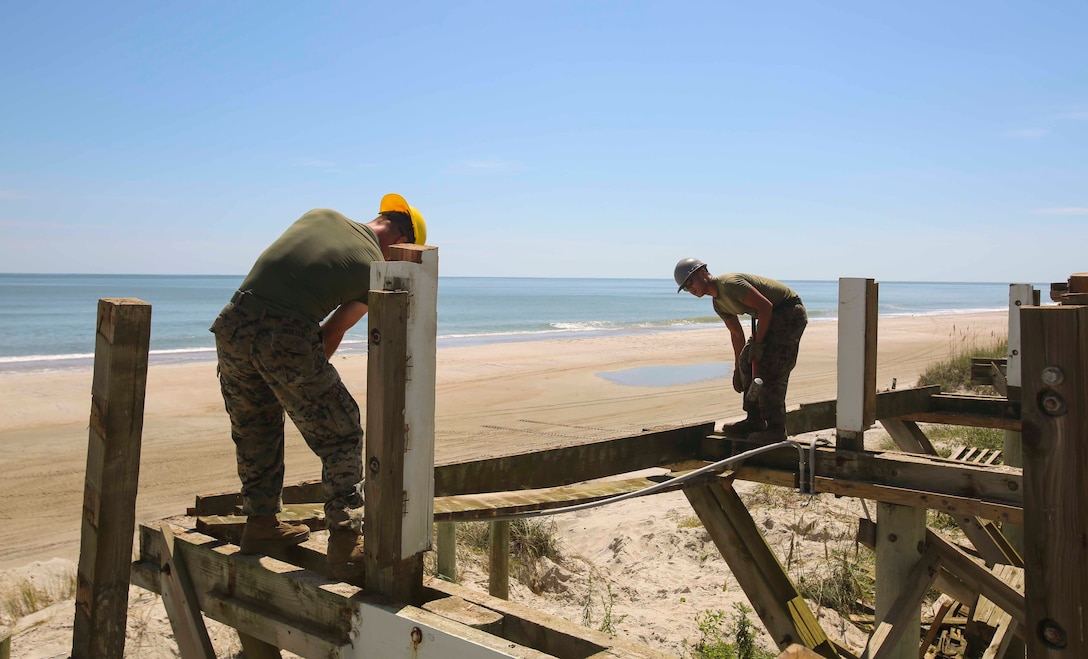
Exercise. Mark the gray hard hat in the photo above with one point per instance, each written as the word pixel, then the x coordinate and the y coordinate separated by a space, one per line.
pixel 685 268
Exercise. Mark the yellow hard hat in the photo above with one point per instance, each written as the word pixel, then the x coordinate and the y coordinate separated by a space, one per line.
pixel 393 202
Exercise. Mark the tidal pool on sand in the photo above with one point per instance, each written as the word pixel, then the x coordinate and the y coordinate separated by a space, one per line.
pixel 667 375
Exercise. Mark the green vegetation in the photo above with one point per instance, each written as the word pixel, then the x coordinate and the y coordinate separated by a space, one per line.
pixel 712 643
pixel 954 373
pixel 608 621
pixel 530 541
pixel 850 581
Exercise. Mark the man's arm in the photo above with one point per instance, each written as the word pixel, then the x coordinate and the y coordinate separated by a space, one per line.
pixel 340 321
pixel 764 310
pixel 736 334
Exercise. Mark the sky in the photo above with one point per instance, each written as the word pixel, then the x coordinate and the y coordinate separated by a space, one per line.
pixel 918 141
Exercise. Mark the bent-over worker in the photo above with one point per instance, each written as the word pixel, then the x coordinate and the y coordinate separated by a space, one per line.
pixel 274 340
pixel 769 354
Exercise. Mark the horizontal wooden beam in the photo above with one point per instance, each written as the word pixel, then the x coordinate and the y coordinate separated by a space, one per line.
pixel 996 487
pixel 572 464
pixel 811 417
pixel 542 469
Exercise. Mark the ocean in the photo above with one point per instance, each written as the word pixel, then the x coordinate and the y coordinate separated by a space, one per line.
pixel 47 322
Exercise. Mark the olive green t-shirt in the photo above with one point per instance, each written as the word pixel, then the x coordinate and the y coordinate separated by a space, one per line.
pixel 320 262
pixel 733 287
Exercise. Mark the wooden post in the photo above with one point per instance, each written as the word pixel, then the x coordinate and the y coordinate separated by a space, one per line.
pixel 399 485
pixel 1020 296
pixel 1055 444
pixel 113 468
pixel 447 551
pixel 498 565
pixel 856 397
pixel 900 543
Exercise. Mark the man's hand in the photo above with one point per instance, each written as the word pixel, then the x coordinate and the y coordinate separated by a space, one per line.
pixel 756 350
pixel 738 380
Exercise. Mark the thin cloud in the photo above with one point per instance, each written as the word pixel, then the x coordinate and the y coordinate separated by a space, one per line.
pixel 12 195
pixel 314 163
pixel 1071 210
pixel 487 167
pixel 1029 133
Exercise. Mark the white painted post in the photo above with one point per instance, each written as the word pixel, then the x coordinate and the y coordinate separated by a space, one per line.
pixel 1020 296
pixel 416 270
pixel 856 395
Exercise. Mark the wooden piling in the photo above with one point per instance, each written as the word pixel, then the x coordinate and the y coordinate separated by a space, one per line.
pixel 113 466
pixel 1055 445
pixel 498 566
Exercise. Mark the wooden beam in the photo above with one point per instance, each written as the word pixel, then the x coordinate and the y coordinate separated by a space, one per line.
pixel 573 464
pixel 776 600
pixel 993 486
pixel 113 467
pixel 810 417
pixel 1055 395
pixel 180 602
pixel 903 615
pixel 977 577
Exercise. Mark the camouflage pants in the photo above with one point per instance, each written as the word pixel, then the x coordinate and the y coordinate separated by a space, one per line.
pixel 780 346
pixel 269 364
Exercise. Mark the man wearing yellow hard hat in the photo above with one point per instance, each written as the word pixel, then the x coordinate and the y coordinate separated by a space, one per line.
pixel 274 340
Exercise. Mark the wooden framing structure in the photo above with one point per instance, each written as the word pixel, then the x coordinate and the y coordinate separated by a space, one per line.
pixel 288 600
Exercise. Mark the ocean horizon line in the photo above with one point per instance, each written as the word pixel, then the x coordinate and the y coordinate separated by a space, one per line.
pixel 532 277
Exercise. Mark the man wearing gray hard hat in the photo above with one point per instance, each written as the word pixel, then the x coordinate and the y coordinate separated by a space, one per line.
pixel 768 356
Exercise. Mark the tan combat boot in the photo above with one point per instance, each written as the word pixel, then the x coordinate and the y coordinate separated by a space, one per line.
pixel 345 553
pixel 265 532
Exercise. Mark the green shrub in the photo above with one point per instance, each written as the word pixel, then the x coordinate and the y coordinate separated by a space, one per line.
pixel 712 643
pixel 954 373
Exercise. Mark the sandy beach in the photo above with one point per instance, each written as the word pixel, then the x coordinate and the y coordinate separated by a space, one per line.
pixel 491 399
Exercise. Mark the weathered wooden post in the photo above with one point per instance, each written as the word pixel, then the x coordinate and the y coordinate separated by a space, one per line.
pixel 447 551
pixel 1055 445
pixel 498 564
pixel 399 460
pixel 113 469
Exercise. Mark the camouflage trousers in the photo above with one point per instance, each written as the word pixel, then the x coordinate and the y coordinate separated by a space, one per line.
pixel 780 346
pixel 269 364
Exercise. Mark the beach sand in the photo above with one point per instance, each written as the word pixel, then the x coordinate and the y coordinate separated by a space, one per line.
pixel 490 400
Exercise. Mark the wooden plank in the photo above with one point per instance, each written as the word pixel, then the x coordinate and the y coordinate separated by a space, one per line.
pixel 944 605
pixel 908 436
pixel 498 564
pixel 113 466
pixel 573 464
pixel 764 580
pixel 388 570
pixel 180 602
pixel 1055 392
pixel 977 577
pixel 902 616
pixel 1003 637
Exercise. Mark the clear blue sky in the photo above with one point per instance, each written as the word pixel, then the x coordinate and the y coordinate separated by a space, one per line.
pixel 902 141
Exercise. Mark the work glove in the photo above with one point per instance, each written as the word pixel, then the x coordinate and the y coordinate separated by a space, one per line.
pixel 738 380
pixel 756 351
